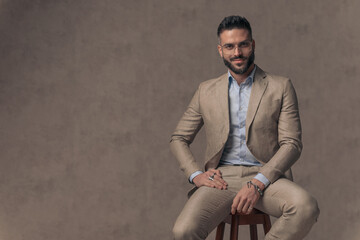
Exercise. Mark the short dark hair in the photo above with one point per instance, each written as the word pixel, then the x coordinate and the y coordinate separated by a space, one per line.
pixel 232 22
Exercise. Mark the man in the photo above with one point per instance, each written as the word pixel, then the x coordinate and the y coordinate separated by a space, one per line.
pixel 253 134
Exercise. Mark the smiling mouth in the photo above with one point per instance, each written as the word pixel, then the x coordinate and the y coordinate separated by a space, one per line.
pixel 238 61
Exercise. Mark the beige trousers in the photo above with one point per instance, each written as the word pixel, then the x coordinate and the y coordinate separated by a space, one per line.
pixel 295 208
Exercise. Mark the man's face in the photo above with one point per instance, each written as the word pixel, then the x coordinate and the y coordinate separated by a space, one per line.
pixel 237 50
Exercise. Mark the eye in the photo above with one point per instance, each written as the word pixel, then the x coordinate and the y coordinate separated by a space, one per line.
pixel 229 46
pixel 244 44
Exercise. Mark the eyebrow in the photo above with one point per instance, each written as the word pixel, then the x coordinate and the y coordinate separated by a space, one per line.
pixel 235 43
pixel 227 44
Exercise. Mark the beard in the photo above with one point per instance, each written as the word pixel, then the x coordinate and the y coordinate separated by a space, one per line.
pixel 240 70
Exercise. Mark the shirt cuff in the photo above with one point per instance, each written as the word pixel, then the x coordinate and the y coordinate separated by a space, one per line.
pixel 192 176
pixel 262 179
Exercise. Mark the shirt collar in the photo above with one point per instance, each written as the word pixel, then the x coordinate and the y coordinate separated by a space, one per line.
pixel 249 80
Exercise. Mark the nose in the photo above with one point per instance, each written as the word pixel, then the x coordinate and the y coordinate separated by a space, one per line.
pixel 237 51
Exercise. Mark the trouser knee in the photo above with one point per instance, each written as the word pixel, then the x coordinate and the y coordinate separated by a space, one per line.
pixel 311 209
pixel 178 232
pixel 185 232
pixel 306 208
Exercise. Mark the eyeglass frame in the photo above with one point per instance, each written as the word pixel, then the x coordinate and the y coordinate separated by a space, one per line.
pixel 239 45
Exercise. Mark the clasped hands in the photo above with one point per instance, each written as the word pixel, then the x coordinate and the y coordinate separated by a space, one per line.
pixel 245 199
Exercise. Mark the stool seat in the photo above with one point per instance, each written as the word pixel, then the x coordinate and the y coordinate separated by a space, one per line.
pixel 252 219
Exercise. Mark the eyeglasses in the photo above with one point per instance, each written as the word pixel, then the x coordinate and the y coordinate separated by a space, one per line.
pixel 230 48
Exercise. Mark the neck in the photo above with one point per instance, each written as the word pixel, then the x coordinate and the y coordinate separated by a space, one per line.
pixel 240 78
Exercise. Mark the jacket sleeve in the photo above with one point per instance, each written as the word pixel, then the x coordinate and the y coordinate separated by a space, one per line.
pixel 184 134
pixel 289 136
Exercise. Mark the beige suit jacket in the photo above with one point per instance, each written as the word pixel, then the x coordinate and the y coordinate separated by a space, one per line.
pixel 273 130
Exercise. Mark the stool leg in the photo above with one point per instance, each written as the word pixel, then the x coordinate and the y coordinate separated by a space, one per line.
pixel 220 231
pixel 253 232
pixel 267 224
pixel 234 227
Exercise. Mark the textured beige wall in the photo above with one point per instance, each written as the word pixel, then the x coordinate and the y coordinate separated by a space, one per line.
pixel 90 92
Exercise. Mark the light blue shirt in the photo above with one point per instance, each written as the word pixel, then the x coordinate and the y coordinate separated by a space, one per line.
pixel 235 150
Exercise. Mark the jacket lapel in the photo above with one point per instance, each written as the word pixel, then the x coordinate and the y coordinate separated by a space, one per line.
pixel 222 95
pixel 257 91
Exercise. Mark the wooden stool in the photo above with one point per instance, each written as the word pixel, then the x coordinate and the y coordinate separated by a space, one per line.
pixel 255 217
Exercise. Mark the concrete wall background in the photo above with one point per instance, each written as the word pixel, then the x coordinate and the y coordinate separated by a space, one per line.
pixel 90 92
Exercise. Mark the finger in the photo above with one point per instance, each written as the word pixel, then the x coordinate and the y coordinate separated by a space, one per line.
pixel 219 181
pixel 234 205
pixel 246 207
pixel 215 179
pixel 218 172
pixel 211 182
pixel 212 173
pixel 211 176
pixel 249 209
pixel 218 184
pixel 241 205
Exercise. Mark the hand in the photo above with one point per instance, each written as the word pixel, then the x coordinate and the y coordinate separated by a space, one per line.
pixel 246 198
pixel 204 180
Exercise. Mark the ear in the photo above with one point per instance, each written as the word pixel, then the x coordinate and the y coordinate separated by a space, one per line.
pixel 219 50
pixel 253 44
